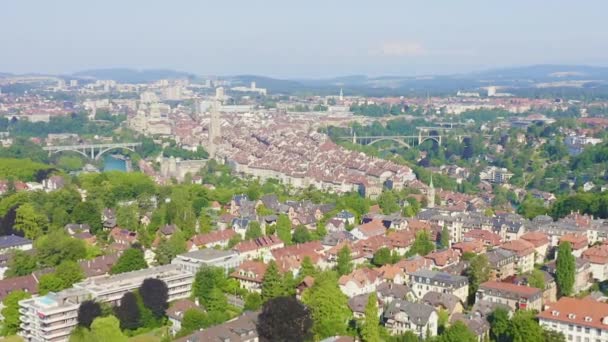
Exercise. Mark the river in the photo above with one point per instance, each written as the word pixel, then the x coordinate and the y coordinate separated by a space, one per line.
pixel 114 163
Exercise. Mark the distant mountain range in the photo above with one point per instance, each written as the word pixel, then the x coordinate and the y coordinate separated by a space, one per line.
pixel 125 75
pixel 539 78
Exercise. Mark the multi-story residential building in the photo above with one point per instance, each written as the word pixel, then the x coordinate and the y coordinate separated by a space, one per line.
pixel 193 261
pixel 401 316
pixel 250 275
pixel 579 320
pixel 51 318
pixel 541 244
pixel 260 248
pixel 583 279
pixel 502 262
pixel 524 252
pixel 598 257
pixel 495 174
pixel 515 296
pixel 425 281
pixel 110 288
pixel 360 281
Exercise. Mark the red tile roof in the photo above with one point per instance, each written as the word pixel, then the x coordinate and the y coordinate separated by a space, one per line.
pixel 577 312
pixel 519 247
pixel 523 291
pixel 536 238
pixel 577 241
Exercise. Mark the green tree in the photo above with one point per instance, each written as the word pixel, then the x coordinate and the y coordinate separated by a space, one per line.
pixel 478 272
pixel 537 279
pixel 272 285
pixel 30 222
pixel 458 332
pixel 131 260
pixel 344 262
pixel 565 269
pixel 382 257
pixel 307 268
pixel 88 213
pixel 127 217
pixel 445 237
pixel 283 228
pixel 106 329
pixel 423 244
pixel 20 264
pixel 57 246
pixel 553 336
pixel 254 231
pixel 205 223
pixel 50 283
pixel 193 320
pixel 525 328
pixel 370 330
pixel 329 306
pixel 500 325
pixel 10 312
pixel 206 279
pixel 301 234
pixel 168 249
pixel 388 202
pixel 253 301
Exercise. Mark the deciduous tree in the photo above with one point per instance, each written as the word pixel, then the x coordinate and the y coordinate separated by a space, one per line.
pixel 87 312
pixel 155 296
pixel 131 260
pixel 344 262
pixel 565 269
pixel 284 319
pixel 370 330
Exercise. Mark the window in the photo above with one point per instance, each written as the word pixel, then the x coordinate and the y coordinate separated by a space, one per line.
pixel 587 330
pixel 570 327
pixel 579 328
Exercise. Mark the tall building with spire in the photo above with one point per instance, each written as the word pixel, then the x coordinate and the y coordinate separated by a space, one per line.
pixel 214 123
pixel 341 98
pixel 430 195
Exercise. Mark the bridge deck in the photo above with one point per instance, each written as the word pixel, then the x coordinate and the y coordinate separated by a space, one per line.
pixel 87 146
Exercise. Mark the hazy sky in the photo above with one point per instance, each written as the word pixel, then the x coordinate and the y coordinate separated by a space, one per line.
pixel 300 38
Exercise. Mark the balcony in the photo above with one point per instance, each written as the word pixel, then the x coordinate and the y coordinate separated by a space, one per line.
pixel 52 327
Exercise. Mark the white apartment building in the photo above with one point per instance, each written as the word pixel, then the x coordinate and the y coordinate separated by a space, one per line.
pixel 193 261
pixel 51 318
pixel 578 319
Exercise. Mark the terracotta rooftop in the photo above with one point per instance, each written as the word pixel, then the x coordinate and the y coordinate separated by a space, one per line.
pixel 519 246
pixel 536 238
pixel 577 241
pixel 520 290
pixel 574 311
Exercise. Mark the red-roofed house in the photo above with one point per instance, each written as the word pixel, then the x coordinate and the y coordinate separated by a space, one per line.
pixel 260 248
pixel 540 242
pixel 524 251
pixel 489 238
pixel 443 258
pixel 250 275
pixel 515 296
pixel 123 236
pixel 598 257
pixel 215 238
pixel 578 242
pixel 367 230
pixel 469 246
pixel 576 319
pixel 360 281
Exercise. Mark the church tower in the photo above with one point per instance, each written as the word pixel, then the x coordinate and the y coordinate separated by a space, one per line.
pixel 430 196
pixel 214 123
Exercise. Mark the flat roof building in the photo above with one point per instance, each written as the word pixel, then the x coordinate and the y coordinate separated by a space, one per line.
pixel 193 261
